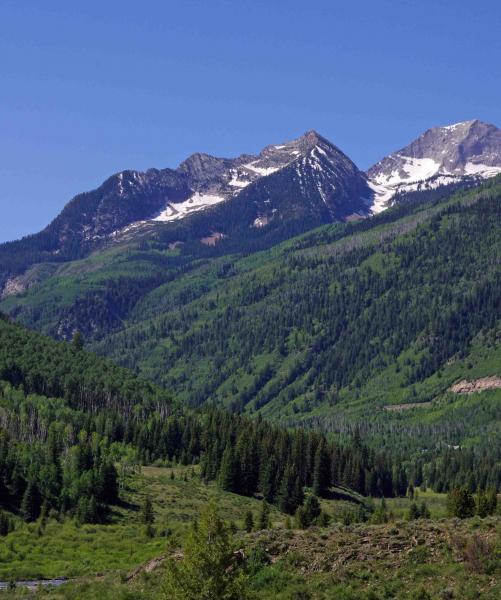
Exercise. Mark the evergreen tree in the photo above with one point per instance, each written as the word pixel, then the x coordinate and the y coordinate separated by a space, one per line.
pixel 264 516
pixel 413 513
pixel 209 568
pixel 147 514
pixel 77 341
pixel 460 503
pixel 300 518
pixel 424 511
pixel 482 503
pixel 492 498
pixel 290 494
pixel 321 471
pixel 248 521
pixel 31 502
pixel 312 509
pixel 228 474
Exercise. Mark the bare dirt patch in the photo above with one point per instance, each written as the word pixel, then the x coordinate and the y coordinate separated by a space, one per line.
pixel 478 385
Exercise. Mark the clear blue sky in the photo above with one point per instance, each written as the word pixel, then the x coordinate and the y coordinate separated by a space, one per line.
pixel 91 88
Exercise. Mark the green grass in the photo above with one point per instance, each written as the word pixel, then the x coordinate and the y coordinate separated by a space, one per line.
pixel 67 550
pixel 391 560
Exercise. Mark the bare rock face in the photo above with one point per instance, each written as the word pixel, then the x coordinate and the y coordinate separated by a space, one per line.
pixel 478 385
pixel 470 150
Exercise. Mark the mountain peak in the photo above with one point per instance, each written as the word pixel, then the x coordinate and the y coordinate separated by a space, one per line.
pixel 450 154
pixel 312 136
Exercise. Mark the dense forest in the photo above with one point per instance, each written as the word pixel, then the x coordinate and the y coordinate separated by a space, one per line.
pixel 73 424
pixel 321 332
pixel 301 327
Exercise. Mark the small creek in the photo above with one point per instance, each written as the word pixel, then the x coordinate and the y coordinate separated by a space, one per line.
pixel 33 584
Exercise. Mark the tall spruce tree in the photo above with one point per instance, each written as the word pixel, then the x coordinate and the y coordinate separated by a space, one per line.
pixel 321 471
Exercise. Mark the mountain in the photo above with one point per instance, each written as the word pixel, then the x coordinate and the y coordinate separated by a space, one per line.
pixel 346 318
pixel 328 327
pixel 298 185
pixel 250 202
pixel 466 152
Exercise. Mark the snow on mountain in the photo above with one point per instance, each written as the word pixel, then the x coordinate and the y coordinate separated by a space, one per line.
pixel 470 150
pixel 215 180
pixel 179 210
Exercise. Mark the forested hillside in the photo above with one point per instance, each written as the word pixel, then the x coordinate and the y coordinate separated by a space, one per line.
pixel 328 328
pixel 73 426
pixel 69 420
pixel 387 310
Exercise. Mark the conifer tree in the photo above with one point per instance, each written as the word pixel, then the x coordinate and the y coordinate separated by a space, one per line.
pixel 312 509
pixel 209 568
pixel 424 511
pixel 482 503
pixel 228 474
pixel 321 471
pixel 492 498
pixel 413 513
pixel 460 503
pixel 249 521
pixel 30 504
pixel 147 514
pixel 264 516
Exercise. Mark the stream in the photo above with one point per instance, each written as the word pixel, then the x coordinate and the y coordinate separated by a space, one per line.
pixel 33 584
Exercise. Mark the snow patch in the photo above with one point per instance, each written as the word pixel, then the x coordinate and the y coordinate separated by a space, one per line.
pixel 198 201
pixel 484 171
pixel 235 181
pixel 261 170
pixel 415 169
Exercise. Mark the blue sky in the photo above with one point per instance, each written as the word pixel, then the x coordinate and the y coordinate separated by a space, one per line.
pixel 91 88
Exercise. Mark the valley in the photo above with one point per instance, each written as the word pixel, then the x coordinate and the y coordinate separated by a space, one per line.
pixel 311 380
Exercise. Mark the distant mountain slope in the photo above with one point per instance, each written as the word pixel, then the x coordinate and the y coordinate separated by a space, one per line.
pixel 305 182
pixel 469 151
pixel 253 201
pixel 307 327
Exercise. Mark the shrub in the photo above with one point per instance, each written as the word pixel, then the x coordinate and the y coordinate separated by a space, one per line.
pixel 460 503
pixel 477 553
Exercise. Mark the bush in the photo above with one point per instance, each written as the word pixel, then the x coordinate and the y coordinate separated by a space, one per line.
pixel 460 503
pixel 477 553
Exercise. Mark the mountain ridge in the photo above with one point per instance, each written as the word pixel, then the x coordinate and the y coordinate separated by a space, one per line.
pixel 252 200
pixel 441 156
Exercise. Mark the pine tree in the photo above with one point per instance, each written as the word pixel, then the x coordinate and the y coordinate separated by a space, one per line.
pixel 424 511
pixel 321 471
pixel 248 521
pixel 290 494
pixel 482 503
pixel 311 509
pixel 264 516
pixel 228 473
pixel 31 502
pixel 209 568
pixel 300 518
pixel 410 492
pixel 460 503
pixel 147 514
pixel 77 341
pixel 267 483
pixel 492 498
pixel 413 513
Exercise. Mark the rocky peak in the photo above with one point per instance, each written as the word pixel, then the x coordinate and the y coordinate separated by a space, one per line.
pixel 446 155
